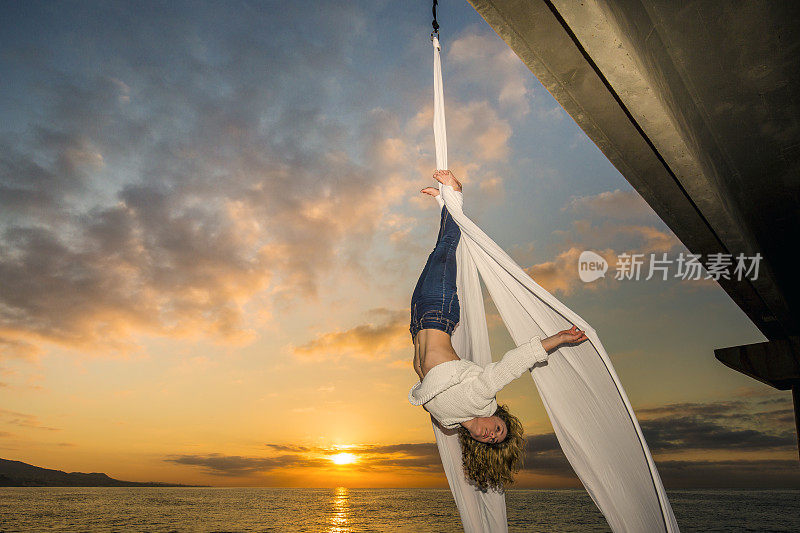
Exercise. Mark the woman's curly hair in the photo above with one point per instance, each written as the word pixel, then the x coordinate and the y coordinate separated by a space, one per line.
pixel 493 464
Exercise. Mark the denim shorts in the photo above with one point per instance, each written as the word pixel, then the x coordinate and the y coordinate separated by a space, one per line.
pixel 434 304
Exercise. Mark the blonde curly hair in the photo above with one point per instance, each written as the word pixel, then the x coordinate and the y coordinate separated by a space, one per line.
pixel 493 465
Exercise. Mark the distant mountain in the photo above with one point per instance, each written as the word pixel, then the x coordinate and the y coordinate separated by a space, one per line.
pixel 19 474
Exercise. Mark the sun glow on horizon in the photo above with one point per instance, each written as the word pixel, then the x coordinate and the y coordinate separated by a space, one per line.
pixel 343 458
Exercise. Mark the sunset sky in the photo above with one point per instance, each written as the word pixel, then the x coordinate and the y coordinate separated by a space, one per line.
pixel 211 226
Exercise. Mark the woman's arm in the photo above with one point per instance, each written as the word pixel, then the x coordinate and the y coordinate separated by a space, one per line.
pixel 515 362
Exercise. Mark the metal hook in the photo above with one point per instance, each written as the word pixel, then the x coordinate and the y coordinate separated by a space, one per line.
pixel 435 23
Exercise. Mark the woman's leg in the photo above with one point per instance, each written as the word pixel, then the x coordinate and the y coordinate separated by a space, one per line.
pixel 434 303
pixel 423 276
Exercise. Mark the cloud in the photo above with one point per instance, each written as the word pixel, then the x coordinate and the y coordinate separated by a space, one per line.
pixel 615 204
pixel 17 348
pixel 373 340
pixel 24 420
pixel 289 448
pixel 423 457
pixel 694 433
pixel 476 133
pixel 632 238
pixel 560 274
pixel 235 465
pixel 610 238
pixel 491 68
pixel 419 457
pixel 161 200
pixel 718 409
pixel 739 425
pixel 766 473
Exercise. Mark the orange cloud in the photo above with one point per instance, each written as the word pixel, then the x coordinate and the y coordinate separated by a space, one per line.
pixel 561 274
pixel 485 60
pixel 608 240
pixel 365 341
pixel 477 132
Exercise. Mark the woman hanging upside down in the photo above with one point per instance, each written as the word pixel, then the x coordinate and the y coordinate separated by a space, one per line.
pixel 459 393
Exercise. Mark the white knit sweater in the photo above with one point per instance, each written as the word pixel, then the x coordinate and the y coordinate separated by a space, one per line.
pixel 460 390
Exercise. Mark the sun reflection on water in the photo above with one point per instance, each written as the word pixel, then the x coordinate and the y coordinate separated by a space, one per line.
pixel 340 518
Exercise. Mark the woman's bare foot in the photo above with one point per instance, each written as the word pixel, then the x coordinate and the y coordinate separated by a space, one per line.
pixel 446 177
pixel 443 176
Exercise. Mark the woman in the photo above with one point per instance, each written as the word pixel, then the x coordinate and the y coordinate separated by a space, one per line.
pixel 459 393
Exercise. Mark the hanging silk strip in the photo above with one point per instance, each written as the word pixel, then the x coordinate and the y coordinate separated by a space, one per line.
pixel 588 408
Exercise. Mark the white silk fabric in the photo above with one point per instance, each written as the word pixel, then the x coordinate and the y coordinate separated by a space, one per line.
pixel 588 408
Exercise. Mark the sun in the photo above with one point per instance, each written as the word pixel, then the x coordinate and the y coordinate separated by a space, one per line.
pixel 343 458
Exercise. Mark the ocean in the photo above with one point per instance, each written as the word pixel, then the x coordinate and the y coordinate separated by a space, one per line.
pixel 344 510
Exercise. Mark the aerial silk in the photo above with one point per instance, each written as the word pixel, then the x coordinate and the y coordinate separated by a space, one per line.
pixel 588 408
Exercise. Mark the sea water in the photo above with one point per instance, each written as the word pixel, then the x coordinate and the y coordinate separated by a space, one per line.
pixel 345 510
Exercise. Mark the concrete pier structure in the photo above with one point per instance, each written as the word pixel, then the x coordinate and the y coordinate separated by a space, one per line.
pixel 696 104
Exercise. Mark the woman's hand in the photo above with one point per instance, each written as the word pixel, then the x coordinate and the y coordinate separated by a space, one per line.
pixel 445 177
pixel 572 335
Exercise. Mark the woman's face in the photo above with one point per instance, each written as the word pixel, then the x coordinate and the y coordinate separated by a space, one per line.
pixel 488 429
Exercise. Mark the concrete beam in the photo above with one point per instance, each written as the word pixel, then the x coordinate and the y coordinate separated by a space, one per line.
pixel 776 363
